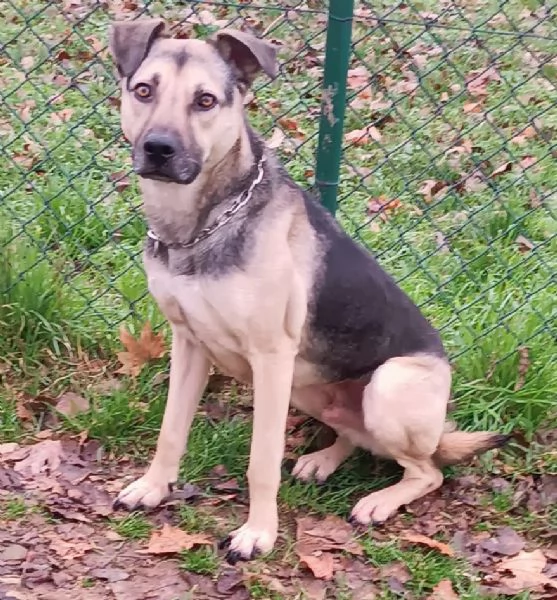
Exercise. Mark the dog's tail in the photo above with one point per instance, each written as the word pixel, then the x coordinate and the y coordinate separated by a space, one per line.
pixel 458 446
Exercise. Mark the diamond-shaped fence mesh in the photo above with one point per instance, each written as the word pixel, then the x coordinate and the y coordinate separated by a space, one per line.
pixel 449 170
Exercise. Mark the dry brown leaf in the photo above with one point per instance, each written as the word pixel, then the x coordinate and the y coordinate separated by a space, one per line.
pixel 47 454
pixel 321 565
pixel 276 139
pixel 527 161
pixel 140 351
pixel 71 550
pixel 292 126
pixel 121 180
pixel 71 404
pixel 443 591
pixel 523 365
pixel 535 201
pixel 418 538
pixel 477 81
pixel 526 569
pixel 27 62
pixel 524 136
pixel 430 188
pixel 358 77
pixel 170 540
pixel 360 137
pixel 504 168
pixel 472 107
pixel 524 244
pixel 62 116
pixel 382 206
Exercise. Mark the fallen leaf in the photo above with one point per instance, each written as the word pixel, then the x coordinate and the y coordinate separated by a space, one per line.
pixel 360 137
pixel 110 575
pixel 140 351
pixel 27 62
pixel 430 188
pixel 524 244
pixel 535 201
pixel 526 570
pixel 121 181
pixel 71 404
pixel 524 136
pixel 276 139
pixel 472 107
pixel 13 552
pixel 443 591
pixel 504 168
pixel 8 448
pixel 292 126
pixel 527 161
pixel 171 539
pixel 523 365
pixel 71 550
pixel 474 183
pixel 441 242
pixel 382 205
pixel 321 565
pixel 46 455
pixel 417 538
pixel 62 116
pixel 505 541
pixel 477 81
pixel 358 77
pixel 330 533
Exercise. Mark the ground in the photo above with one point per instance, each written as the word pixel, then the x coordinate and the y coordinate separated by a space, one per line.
pixel 447 176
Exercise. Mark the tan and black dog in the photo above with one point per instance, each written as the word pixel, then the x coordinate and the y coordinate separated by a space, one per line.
pixel 256 278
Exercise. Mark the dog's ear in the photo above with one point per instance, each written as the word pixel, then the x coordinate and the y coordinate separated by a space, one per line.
pixel 130 42
pixel 247 53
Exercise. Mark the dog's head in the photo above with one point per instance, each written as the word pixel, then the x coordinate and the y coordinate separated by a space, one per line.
pixel 182 100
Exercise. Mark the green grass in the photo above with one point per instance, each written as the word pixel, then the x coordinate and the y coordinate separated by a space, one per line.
pixel 70 270
pixel 12 509
pixel 203 561
pixel 134 526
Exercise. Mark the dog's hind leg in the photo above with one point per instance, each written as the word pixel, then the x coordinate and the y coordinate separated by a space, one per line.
pixel 404 409
pixel 319 465
pixel 189 369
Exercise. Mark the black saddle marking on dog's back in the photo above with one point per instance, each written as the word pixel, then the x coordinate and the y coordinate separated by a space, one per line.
pixel 359 317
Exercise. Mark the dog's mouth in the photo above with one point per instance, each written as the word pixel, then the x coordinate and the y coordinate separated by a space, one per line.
pixel 168 175
pixel 154 176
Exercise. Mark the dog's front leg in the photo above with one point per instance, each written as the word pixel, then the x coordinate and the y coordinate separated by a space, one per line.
pixel 189 369
pixel 272 379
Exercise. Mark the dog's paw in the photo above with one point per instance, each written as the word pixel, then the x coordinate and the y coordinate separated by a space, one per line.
pixel 247 542
pixel 375 508
pixel 143 493
pixel 317 465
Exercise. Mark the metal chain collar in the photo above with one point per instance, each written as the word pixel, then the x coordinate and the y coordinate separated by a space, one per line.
pixel 240 202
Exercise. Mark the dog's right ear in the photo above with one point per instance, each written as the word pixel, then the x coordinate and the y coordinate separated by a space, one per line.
pixel 130 42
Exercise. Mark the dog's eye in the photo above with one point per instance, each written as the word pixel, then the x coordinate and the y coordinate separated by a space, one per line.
pixel 142 91
pixel 206 101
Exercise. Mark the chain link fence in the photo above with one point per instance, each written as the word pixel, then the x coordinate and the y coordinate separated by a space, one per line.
pixel 448 175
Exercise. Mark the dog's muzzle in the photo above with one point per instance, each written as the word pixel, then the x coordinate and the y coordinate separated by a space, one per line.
pixel 161 155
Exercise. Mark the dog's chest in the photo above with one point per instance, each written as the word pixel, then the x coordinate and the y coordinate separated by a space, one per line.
pixel 209 311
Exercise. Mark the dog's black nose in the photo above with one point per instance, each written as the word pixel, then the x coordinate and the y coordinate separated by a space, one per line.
pixel 159 148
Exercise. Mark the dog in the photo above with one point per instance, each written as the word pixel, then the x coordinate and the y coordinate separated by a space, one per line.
pixel 256 278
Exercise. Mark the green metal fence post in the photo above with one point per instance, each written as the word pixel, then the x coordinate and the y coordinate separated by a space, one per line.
pixel 333 101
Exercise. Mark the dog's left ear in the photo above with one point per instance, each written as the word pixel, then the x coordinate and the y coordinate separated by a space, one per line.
pixel 247 53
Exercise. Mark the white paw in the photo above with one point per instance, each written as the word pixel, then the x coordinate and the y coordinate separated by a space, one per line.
pixel 248 542
pixel 375 508
pixel 143 492
pixel 318 465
